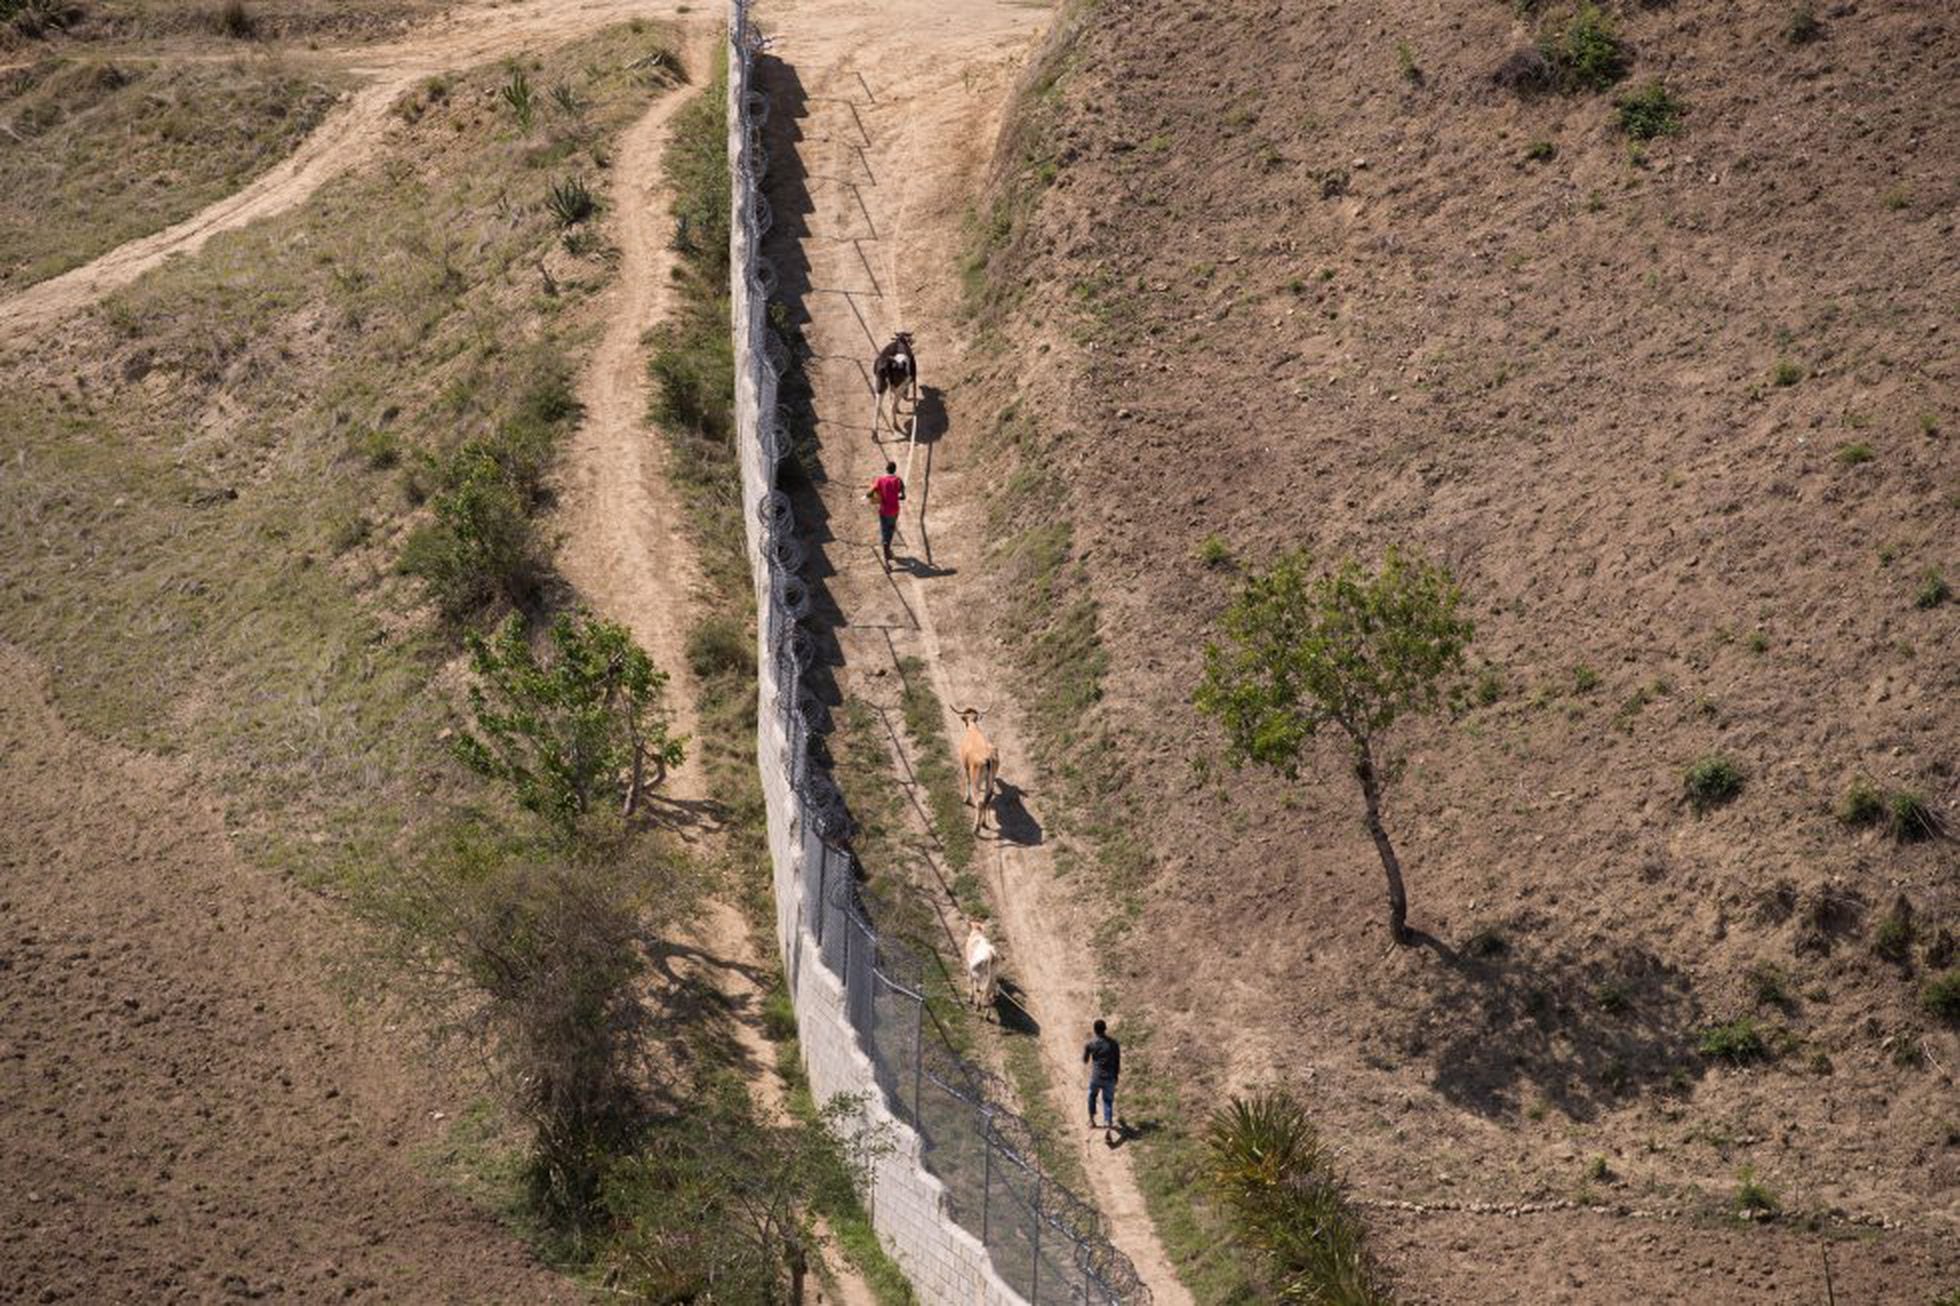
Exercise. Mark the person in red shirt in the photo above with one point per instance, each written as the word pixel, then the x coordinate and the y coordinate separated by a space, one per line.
pixel 889 491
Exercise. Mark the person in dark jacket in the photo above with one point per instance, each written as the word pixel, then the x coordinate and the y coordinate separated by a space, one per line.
pixel 1104 1057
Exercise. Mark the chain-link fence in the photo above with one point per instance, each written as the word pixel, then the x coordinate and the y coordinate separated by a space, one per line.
pixel 1044 1243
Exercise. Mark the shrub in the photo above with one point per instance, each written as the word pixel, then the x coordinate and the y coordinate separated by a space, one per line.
pixel 1910 818
pixel 720 646
pixel 1739 1041
pixel 1284 1197
pixel 1490 686
pixel 1583 51
pixel 522 100
pixel 1613 996
pixel 571 201
pixel 1751 1197
pixel 234 20
pixel 348 531
pixel 1854 453
pixel 1933 590
pixel 566 99
pixel 1212 551
pixel 1649 112
pixel 1711 782
pixel 1803 26
pixel 1486 943
pixel 1786 373
pixel 573 732
pixel 1405 63
pixel 1769 985
pixel 480 547
pixel 1541 151
pixel 1863 804
pixel 1584 679
pixel 1941 996
pixel 380 450
pixel 1525 71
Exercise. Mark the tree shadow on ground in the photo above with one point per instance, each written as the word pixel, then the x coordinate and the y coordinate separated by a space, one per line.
pixel 1505 1018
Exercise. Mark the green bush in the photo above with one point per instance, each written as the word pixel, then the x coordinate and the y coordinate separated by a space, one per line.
pixel 1863 804
pixel 1911 818
pixel 1933 590
pixel 1855 453
pixel 1786 373
pixel 1649 112
pixel 719 646
pixel 1279 1185
pixel 1212 551
pixel 1752 1196
pixel 1541 151
pixel 1711 782
pixel 517 93
pixel 1893 938
pixel 1941 996
pixel 1584 51
pixel 1739 1041
pixel 1769 985
pixel 480 548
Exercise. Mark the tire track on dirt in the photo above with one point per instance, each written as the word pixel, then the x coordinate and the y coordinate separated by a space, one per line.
pixel 347 138
pixel 925 86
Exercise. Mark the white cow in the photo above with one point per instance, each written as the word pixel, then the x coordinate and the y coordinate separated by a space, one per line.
pixel 982 984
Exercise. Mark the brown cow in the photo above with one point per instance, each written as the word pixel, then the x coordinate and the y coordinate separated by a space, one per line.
pixel 979 764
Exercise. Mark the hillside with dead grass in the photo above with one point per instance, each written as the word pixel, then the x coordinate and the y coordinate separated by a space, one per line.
pixel 1639 319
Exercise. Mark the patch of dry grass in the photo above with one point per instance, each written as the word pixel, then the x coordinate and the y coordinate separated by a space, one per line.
pixel 102 152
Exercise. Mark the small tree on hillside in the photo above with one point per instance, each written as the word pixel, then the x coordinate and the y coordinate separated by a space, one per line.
pixel 1352 651
pixel 562 733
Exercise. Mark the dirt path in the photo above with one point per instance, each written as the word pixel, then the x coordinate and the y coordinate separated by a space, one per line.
pixel 899 111
pixel 629 556
pixel 468 36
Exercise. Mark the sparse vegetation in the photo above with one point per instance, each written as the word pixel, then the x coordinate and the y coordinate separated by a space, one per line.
pixel 1933 589
pixel 1911 818
pixel 1584 679
pixel 1212 551
pixel 520 98
pixel 1351 651
pixel 1786 373
pixel 1863 804
pixel 1649 112
pixel 1269 1167
pixel 1803 26
pixel 1583 50
pixel 1406 65
pixel 234 20
pixel 1892 940
pixel 1769 985
pixel 571 201
pixel 1941 996
pixel 1752 1197
pixel 1541 151
pixel 1711 782
pixel 1739 1041
pixel 1855 453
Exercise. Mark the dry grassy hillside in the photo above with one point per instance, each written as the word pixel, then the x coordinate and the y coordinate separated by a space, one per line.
pixel 1680 413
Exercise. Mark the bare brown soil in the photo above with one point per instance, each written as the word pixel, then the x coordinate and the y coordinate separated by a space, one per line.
pixel 188 1111
pixel 1257 281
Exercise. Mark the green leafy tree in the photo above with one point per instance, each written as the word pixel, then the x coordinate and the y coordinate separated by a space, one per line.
pixel 563 731
pixel 1351 652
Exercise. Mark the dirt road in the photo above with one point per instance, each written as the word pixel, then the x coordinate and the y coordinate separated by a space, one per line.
pixel 468 36
pixel 893 114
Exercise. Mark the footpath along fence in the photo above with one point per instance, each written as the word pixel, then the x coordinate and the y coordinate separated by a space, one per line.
pixel 959 1198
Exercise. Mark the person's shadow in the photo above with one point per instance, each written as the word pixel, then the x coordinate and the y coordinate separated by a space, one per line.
pixel 1126 1130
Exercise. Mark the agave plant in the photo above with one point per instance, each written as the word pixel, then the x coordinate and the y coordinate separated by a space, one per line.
pixel 519 96
pixel 571 201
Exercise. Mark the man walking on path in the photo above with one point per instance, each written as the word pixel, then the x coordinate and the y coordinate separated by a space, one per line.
pixel 1104 1057
pixel 889 491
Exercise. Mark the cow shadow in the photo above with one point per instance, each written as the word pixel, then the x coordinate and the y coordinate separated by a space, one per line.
pixel 1011 1012
pixel 1012 820
pixel 929 420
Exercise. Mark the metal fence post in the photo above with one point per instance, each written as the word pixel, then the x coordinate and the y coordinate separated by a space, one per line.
pixel 918 1056
pixel 1034 1268
pixel 987 1175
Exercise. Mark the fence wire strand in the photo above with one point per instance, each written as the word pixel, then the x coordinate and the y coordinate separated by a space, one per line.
pixel 1044 1242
